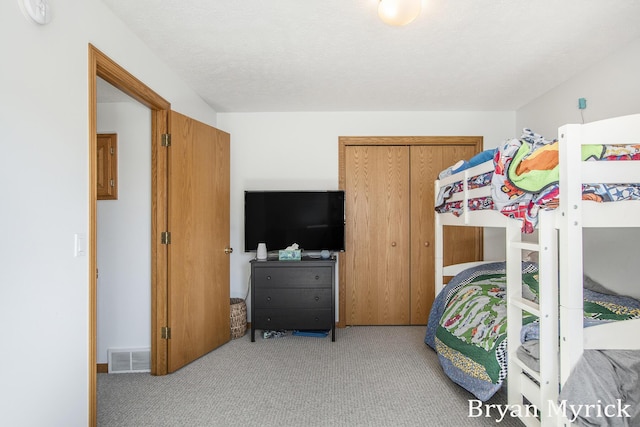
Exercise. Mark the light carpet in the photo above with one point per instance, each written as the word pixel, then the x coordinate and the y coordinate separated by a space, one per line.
pixel 370 376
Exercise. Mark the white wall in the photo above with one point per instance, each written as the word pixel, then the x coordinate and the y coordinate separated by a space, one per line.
pixel 611 88
pixel 292 151
pixel 124 234
pixel 44 299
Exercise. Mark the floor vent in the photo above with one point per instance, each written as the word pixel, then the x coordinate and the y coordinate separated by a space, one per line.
pixel 128 360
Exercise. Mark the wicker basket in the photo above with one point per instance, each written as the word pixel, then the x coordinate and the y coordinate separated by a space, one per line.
pixel 238 318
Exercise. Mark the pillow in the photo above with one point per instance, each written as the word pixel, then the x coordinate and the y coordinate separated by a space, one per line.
pixel 592 285
pixel 531 256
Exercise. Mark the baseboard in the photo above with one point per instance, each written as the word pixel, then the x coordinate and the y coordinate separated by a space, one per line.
pixel 102 368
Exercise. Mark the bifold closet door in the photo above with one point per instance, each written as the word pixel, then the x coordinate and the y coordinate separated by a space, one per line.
pixel 462 244
pixel 377 235
pixel 390 255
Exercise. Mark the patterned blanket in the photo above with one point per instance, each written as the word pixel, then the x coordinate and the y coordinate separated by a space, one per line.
pixel 467 324
pixel 525 179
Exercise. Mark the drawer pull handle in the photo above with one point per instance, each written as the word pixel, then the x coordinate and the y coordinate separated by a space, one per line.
pixel 317 277
pixel 268 277
pixel 268 298
pixel 317 319
pixel 317 298
pixel 268 319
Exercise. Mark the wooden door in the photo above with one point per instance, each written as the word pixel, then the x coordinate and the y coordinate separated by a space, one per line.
pixel 198 261
pixel 371 273
pixel 377 235
pixel 465 245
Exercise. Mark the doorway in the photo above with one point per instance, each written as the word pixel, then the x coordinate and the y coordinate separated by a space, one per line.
pixel 102 66
pixel 123 220
pixel 189 218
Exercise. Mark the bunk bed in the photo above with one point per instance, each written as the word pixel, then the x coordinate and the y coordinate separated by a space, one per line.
pixel 532 318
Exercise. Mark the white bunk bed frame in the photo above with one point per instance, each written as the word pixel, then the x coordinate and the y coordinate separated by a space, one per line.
pixel 560 308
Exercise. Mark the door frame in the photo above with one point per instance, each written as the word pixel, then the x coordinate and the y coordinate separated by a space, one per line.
pixel 343 143
pixel 102 66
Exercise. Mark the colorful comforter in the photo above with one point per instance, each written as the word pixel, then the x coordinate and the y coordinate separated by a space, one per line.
pixel 467 324
pixel 525 179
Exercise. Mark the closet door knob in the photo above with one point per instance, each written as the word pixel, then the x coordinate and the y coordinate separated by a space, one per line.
pixel 427 244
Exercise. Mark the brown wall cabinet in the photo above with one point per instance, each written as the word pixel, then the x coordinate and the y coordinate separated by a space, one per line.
pixel 107 166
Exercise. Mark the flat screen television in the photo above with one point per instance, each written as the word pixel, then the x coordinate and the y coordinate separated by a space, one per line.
pixel 312 219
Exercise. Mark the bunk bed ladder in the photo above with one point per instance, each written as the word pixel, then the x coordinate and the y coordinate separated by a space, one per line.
pixel 530 392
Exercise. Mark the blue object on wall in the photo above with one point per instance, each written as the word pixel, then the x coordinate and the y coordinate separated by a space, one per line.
pixel 582 103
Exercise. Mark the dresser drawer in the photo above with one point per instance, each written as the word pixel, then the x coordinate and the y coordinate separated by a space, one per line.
pixel 292 298
pixel 292 319
pixel 293 276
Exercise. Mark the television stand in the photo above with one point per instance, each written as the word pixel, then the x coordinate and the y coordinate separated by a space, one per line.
pixel 293 295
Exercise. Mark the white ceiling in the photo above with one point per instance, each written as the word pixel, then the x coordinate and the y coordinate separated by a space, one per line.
pixel 336 55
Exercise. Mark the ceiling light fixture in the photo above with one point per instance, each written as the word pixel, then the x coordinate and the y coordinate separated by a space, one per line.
pixel 399 12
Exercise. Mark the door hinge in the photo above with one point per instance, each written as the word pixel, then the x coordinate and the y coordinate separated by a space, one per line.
pixel 166 140
pixel 165 238
pixel 165 332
